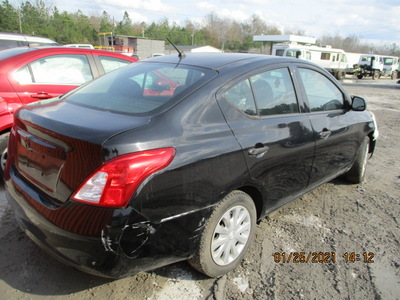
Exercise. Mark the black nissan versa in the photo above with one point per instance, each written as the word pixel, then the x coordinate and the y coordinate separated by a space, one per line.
pixel 177 157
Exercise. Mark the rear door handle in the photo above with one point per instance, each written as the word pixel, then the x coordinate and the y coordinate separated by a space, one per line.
pixel 258 152
pixel 42 95
pixel 325 133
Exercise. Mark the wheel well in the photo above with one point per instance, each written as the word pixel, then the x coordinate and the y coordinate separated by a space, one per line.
pixel 256 195
pixel 5 131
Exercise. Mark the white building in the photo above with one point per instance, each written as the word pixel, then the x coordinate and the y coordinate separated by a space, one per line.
pixel 171 49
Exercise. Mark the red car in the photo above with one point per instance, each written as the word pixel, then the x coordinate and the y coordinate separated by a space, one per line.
pixel 32 74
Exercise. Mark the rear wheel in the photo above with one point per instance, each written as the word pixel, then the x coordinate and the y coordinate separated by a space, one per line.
pixel 360 76
pixel 340 74
pixel 394 75
pixel 357 172
pixel 3 152
pixel 227 235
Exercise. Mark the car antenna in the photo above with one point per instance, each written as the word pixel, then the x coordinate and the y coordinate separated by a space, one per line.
pixel 180 55
pixel 26 40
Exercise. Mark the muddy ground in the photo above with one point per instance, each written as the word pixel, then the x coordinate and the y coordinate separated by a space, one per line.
pixel 336 218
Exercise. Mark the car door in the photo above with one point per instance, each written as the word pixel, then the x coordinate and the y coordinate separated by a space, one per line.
pixel 335 130
pixel 51 76
pixel 277 140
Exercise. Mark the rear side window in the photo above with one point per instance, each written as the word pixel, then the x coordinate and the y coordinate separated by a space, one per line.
pixel 57 69
pixel 7 44
pixel 112 63
pixel 274 92
pixel 241 96
pixel 265 94
pixel 322 94
pixel 140 88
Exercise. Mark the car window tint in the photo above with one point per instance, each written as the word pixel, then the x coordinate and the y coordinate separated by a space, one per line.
pixel 241 96
pixel 140 88
pixel 274 92
pixel 57 69
pixel 322 94
pixel 111 63
pixel 7 44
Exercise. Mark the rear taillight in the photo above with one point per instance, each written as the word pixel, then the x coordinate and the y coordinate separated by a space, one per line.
pixel 114 183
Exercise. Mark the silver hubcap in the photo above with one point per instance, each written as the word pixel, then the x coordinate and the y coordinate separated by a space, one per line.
pixel 3 159
pixel 231 235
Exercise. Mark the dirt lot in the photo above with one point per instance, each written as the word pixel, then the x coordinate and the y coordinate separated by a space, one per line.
pixel 336 218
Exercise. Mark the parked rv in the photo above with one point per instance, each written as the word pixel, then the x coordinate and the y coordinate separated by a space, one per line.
pixel 333 60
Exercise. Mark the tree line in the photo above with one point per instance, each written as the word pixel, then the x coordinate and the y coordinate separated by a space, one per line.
pixel 42 19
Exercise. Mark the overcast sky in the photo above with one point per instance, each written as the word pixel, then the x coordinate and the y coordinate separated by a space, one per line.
pixel 375 20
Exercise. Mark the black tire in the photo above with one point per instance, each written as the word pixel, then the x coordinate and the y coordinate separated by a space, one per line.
pixel 3 153
pixel 211 258
pixel 376 75
pixel 340 74
pixel 357 172
pixel 394 75
pixel 360 76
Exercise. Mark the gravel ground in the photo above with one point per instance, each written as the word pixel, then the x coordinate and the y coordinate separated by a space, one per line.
pixel 338 222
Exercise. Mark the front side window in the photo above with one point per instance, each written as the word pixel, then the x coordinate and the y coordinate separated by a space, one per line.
pixel 322 94
pixel 57 69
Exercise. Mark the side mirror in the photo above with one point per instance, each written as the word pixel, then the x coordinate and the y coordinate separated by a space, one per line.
pixel 358 104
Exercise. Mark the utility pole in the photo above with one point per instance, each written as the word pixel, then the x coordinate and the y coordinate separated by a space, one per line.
pixel 19 19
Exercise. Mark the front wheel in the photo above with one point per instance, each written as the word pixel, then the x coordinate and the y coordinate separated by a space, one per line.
pixel 360 76
pixel 227 235
pixel 376 75
pixel 357 172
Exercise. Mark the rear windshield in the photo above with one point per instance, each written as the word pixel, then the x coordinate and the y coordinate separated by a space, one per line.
pixel 140 88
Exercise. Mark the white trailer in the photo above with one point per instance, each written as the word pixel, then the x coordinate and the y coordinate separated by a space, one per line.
pixel 333 60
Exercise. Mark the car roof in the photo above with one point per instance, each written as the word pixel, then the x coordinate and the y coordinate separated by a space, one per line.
pixel 218 61
pixel 8 53
pixel 23 37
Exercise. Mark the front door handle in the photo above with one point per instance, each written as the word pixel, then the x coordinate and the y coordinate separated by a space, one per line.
pixel 258 152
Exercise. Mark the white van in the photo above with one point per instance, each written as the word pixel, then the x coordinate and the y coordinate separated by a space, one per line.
pixel 12 40
pixel 333 60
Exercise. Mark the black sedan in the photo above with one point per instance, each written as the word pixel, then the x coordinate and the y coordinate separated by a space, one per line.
pixel 177 158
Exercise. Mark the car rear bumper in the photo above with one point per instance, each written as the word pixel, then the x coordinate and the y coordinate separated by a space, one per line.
pixel 96 241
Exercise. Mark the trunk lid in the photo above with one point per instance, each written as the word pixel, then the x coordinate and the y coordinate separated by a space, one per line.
pixel 55 146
